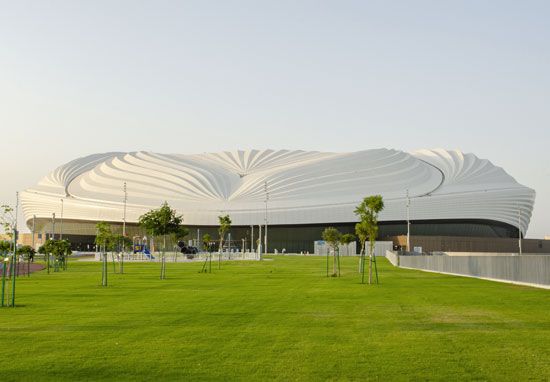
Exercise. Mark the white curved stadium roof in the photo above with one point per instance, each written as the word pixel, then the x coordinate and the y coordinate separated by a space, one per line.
pixel 304 187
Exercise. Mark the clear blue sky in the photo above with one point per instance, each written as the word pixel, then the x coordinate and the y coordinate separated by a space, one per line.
pixel 191 76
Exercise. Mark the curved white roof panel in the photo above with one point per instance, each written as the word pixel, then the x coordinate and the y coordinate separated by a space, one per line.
pixel 303 187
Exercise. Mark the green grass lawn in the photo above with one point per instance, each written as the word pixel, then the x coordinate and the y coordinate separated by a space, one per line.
pixel 280 319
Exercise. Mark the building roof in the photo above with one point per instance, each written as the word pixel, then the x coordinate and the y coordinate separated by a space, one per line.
pixel 302 187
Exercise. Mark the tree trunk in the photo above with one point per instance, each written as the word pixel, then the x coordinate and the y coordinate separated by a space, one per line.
pixel 363 264
pixel 334 272
pixel 220 254
pixel 338 258
pixel 370 261
pixel 361 252
pixel 328 254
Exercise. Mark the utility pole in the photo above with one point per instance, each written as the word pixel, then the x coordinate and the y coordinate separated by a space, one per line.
pixel 53 226
pixel 199 239
pixel 61 227
pixel 265 233
pixel 408 222
pixel 519 229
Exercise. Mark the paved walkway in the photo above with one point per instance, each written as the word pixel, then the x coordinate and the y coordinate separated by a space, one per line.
pixel 21 268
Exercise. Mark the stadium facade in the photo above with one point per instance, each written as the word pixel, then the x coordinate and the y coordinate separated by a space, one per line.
pixel 451 193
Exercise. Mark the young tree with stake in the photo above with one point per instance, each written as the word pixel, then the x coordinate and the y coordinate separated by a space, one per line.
pixel 368 211
pixel 225 225
pixel 207 245
pixel 162 222
pixel 332 236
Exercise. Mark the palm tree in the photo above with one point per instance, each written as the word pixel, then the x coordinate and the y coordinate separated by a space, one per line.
pixel 225 225
pixel 368 211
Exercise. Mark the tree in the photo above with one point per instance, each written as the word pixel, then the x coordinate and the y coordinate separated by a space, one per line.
pixel 104 239
pixel 104 236
pixel 368 211
pixel 346 239
pixel 225 225
pixel 162 222
pixel 7 220
pixel 59 249
pixel 332 236
pixel 5 246
pixel 207 245
pixel 181 233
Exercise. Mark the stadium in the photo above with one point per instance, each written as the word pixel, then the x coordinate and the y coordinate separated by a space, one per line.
pixel 449 193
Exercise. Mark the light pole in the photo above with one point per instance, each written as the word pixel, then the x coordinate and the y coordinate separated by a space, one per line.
pixel 13 275
pixel 408 222
pixel 251 238
pixel 53 226
pixel 260 240
pixel 61 226
pixel 519 229
pixel 265 233
pixel 124 213
pixel 123 228
pixel 33 229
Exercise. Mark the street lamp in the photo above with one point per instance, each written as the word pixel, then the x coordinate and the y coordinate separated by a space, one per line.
pixel 33 229
pixel 266 200
pixel 408 222
pixel 124 213
pixel 53 226
pixel 519 229
pixel 61 227
pixel 251 238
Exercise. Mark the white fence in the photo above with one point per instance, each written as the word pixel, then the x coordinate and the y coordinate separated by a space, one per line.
pixel 179 257
pixel 380 248
pixel 520 269
pixel 320 248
